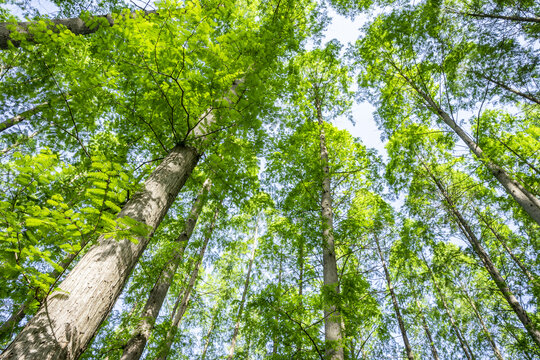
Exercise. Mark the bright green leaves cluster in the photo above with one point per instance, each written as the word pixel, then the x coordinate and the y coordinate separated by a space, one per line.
pixel 51 212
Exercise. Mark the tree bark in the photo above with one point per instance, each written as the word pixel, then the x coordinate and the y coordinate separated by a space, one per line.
pixel 183 305
pixel 532 278
pixel 244 293
pixel 408 348
pixel 210 329
pixel 486 260
pixel 428 333
pixel 69 318
pixel 76 25
pixel 494 346
pixel 508 88
pixel 19 313
pixel 332 317
pixel 522 196
pixel 6 124
pixel 136 344
pixel 464 344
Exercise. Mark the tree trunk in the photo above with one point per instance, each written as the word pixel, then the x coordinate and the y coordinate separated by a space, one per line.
pixel 69 318
pixel 244 293
pixel 275 333
pixel 408 348
pixel 183 304
pixel 76 25
pixel 508 88
pixel 464 344
pixel 517 261
pixel 210 329
pixel 516 18
pixel 136 344
pixel 496 350
pixel 488 264
pixel 428 333
pixel 522 196
pixel 19 313
pixel 6 124
pixel 332 318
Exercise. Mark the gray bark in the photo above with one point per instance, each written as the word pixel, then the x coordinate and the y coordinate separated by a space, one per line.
pixel 522 196
pixel 76 25
pixel 69 318
pixel 183 304
pixel 401 324
pixel 488 264
pixel 6 124
pixel 244 293
pixel 464 344
pixel 434 352
pixel 136 344
pixel 494 346
pixel 332 317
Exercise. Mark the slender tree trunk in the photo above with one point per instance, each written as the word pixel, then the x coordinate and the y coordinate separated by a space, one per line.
pixel 522 196
pixel 76 25
pixel 486 260
pixel 332 318
pixel 210 329
pixel 136 344
pixel 274 340
pixel 19 313
pixel 6 124
pixel 516 18
pixel 408 348
pixel 183 304
pixel 508 88
pixel 69 318
pixel 300 285
pixel 494 346
pixel 517 261
pixel 244 293
pixel 428 333
pixel 464 344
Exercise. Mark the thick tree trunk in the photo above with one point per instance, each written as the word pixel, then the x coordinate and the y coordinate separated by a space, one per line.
pixel 76 25
pixel 69 318
pixel 19 313
pixel 332 318
pixel 183 304
pixel 486 260
pixel 522 196
pixel 138 340
pixel 428 333
pixel 408 348
pixel 494 346
pixel 244 294
pixel 464 344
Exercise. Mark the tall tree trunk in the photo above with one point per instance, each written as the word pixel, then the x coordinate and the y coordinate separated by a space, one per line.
pixel 69 318
pixel 508 88
pixel 464 344
pixel 210 329
pixel 428 333
pixel 332 318
pixel 244 293
pixel 136 344
pixel 19 313
pixel 522 196
pixel 275 333
pixel 183 304
pixel 494 346
pixel 486 260
pixel 408 348
pixel 6 124
pixel 516 18
pixel 76 25
pixel 532 278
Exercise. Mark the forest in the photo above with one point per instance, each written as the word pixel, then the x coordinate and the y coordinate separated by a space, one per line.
pixel 175 185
